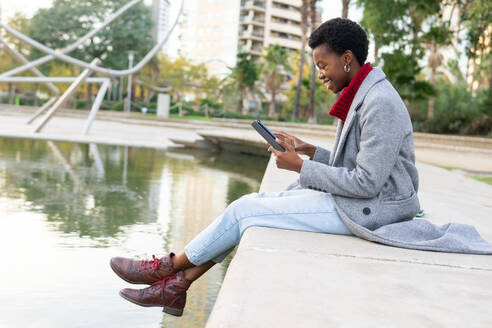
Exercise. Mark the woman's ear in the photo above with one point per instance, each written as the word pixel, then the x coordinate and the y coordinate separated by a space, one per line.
pixel 348 56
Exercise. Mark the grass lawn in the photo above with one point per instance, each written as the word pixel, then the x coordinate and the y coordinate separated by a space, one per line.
pixel 190 117
pixel 486 179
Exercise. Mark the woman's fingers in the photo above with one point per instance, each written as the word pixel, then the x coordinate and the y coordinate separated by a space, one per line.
pixel 282 133
pixel 287 146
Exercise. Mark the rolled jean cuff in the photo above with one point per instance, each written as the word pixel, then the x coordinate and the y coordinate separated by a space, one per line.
pixel 196 260
pixel 191 257
pixel 222 256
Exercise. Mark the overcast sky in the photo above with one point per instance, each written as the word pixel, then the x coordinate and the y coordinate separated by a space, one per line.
pixel 331 9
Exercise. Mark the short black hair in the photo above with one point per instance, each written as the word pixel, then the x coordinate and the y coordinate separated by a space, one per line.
pixel 339 35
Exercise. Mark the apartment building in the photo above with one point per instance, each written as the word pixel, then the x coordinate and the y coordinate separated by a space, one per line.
pixel 208 33
pixel 214 31
pixel 160 16
pixel 266 22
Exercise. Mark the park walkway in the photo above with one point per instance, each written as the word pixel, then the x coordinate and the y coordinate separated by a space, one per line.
pixel 466 153
pixel 281 278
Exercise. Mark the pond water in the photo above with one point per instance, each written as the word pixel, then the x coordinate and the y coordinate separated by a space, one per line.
pixel 66 209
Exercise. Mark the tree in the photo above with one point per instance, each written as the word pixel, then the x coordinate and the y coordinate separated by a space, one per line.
pixel 19 22
pixel 324 99
pixel 399 25
pixel 275 63
pixel 312 82
pixel 7 63
pixel 243 77
pixel 377 20
pixel 149 76
pixel 476 16
pixel 304 25
pixel 182 76
pixel 22 24
pixel 439 35
pixel 66 21
pixel 345 8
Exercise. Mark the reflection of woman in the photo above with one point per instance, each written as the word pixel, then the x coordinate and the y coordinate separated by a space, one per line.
pixel 367 183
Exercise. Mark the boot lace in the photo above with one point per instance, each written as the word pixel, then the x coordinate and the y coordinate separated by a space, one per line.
pixel 163 282
pixel 154 264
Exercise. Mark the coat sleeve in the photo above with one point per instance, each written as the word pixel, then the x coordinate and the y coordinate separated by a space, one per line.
pixel 322 155
pixel 383 127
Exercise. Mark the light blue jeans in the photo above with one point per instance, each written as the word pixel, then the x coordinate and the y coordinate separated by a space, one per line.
pixel 300 209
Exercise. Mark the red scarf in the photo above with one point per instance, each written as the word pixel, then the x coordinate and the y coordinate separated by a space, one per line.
pixel 341 107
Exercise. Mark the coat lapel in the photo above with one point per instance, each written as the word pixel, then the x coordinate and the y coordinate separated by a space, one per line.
pixel 372 78
pixel 337 139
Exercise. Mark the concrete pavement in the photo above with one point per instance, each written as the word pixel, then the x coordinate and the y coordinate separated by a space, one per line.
pixel 281 278
pixel 471 154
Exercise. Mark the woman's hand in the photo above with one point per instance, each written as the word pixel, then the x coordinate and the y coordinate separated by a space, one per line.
pixel 299 146
pixel 288 159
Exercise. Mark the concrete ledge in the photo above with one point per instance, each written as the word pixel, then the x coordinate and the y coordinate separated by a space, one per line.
pixel 284 278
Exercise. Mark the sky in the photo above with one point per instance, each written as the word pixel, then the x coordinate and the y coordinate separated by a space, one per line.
pixel 331 9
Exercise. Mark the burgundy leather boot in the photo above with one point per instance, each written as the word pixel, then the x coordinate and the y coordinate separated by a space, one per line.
pixel 141 271
pixel 170 293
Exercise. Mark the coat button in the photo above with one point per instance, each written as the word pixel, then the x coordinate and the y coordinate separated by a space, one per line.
pixel 366 211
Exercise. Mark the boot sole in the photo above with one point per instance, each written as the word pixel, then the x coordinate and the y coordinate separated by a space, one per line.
pixel 165 309
pixel 122 277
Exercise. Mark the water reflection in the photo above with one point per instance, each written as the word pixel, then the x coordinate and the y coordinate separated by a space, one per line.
pixel 76 205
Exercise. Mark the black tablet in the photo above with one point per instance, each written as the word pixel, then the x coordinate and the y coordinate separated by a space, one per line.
pixel 267 135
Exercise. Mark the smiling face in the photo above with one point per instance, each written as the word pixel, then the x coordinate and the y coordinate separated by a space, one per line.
pixel 330 67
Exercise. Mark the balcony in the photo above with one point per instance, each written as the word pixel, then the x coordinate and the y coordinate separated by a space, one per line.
pixel 254 50
pixel 255 35
pixel 253 20
pixel 253 5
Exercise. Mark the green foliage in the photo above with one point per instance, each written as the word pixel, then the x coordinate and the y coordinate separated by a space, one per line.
pixel 185 78
pixel 402 71
pixel 22 24
pixel 234 115
pixel 457 111
pixel 246 70
pixel 324 99
pixel 399 26
pixel 274 61
pixel 66 21
pixel 242 79
pixel 477 15
pixel 469 123
pixel 275 65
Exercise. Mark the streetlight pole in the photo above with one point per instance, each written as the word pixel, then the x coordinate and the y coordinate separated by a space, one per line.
pixel 128 104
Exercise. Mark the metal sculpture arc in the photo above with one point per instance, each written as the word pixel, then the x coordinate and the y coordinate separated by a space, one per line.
pixel 89 67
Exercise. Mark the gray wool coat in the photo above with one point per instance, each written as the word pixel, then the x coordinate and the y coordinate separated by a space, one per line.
pixel 372 177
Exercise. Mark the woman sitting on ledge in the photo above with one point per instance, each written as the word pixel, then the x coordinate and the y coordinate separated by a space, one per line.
pixel 366 186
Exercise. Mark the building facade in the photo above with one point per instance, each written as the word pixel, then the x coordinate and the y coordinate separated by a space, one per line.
pixel 266 22
pixel 214 31
pixel 160 16
pixel 208 33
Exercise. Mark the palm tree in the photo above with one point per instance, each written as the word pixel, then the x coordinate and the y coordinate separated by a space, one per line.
pixel 345 8
pixel 304 18
pixel 275 64
pixel 243 77
pixel 312 83
pixel 438 36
